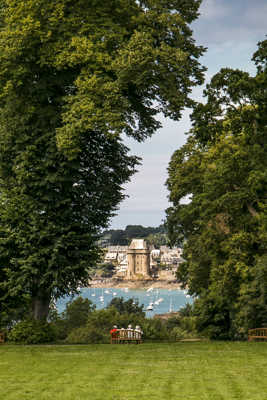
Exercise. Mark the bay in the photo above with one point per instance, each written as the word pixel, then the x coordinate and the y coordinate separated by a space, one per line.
pixel 164 300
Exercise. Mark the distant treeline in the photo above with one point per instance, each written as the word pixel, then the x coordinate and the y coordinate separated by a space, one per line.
pixel 115 237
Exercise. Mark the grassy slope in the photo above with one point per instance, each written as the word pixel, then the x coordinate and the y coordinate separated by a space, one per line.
pixel 186 371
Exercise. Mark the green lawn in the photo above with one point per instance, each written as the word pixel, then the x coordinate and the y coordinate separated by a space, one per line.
pixel 200 370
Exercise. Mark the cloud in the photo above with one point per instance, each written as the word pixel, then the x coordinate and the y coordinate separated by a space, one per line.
pixel 212 9
pixel 230 21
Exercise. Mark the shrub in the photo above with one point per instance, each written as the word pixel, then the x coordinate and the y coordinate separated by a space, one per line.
pixel 178 333
pixel 32 332
pixel 154 329
pixel 87 334
pixel 172 323
pixel 103 319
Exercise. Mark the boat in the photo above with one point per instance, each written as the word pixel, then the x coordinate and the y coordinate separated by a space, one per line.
pixel 170 309
pixel 149 289
pixel 158 301
pixel 107 291
pixel 101 298
pixel 93 294
pixel 150 307
pixel 114 294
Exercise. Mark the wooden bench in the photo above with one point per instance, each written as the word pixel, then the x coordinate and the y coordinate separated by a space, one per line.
pixel 257 334
pixel 126 336
pixel 2 337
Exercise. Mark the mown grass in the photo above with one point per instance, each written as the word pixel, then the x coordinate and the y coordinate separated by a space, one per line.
pixel 186 371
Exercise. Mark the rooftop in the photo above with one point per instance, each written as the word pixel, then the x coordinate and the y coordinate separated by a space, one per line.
pixel 138 244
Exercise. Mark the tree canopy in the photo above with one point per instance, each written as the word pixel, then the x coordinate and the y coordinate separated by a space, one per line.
pixel 222 170
pixel 75 77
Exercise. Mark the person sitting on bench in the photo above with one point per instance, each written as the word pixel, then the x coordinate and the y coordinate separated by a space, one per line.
pixel 138 329
pixel 130 331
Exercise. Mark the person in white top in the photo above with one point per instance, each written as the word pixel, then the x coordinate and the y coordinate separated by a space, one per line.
pixel 130 331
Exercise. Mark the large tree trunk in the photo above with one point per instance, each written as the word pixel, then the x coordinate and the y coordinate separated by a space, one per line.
pixel 40 305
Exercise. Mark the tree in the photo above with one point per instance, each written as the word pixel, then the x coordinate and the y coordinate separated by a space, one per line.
pixel 157 239
pixel 108 270
pixel 74 77
pixel 222 169
pixel 77 313
pixel 130 306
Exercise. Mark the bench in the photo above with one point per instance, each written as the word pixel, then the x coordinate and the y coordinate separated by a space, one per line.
pixel 2 337
pixel 257 334
pixel 126 336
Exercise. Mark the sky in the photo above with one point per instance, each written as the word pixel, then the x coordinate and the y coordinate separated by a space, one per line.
pixel 230 29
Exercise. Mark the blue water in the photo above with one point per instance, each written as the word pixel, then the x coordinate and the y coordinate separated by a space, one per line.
pixel 173 299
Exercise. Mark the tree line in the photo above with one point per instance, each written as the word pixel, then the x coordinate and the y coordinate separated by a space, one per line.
pixel 223 170
pixel 154 235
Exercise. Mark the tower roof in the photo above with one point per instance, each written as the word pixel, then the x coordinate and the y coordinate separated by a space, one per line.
pixel 138 244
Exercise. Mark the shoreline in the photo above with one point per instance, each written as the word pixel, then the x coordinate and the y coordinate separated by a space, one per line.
pixel 114 283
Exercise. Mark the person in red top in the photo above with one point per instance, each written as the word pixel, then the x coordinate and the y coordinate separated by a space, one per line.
pixel 114 330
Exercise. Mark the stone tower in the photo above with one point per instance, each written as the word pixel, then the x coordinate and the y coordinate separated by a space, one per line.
pixel 138 257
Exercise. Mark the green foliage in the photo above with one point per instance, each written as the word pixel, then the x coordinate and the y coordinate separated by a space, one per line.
pixel 75 77
pixel 222 169
pixel 32 332
pixel 251 308
pixel 87 334
pixel 158 239
pixel 156 236
pixel 183 326
pixel 154 329
pixel 107 270
pixel 77 313
pixel 130 306
pixel 13 309
pixel 178 333
pixel 186 311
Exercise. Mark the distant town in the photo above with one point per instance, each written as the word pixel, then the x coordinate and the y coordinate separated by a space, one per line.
pixel 142 261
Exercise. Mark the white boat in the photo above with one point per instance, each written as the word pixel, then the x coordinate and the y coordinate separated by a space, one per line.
pixel 114 294
pixel 93 294
pixel 187 296
pixel 157 302
pixel 170 309
pixel 150 307
pixel 149 289
pixel 107 291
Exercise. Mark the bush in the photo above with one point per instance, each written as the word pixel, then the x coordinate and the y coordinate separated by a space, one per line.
pixel 154 329
pixel 32 332
pixel 86 335
pixel 178 333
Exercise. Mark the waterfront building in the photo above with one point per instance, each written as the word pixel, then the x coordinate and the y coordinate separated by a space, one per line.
pixel 138 256
pixel 140 261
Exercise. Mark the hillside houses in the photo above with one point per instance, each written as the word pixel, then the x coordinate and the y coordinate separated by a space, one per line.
pixel 139 260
